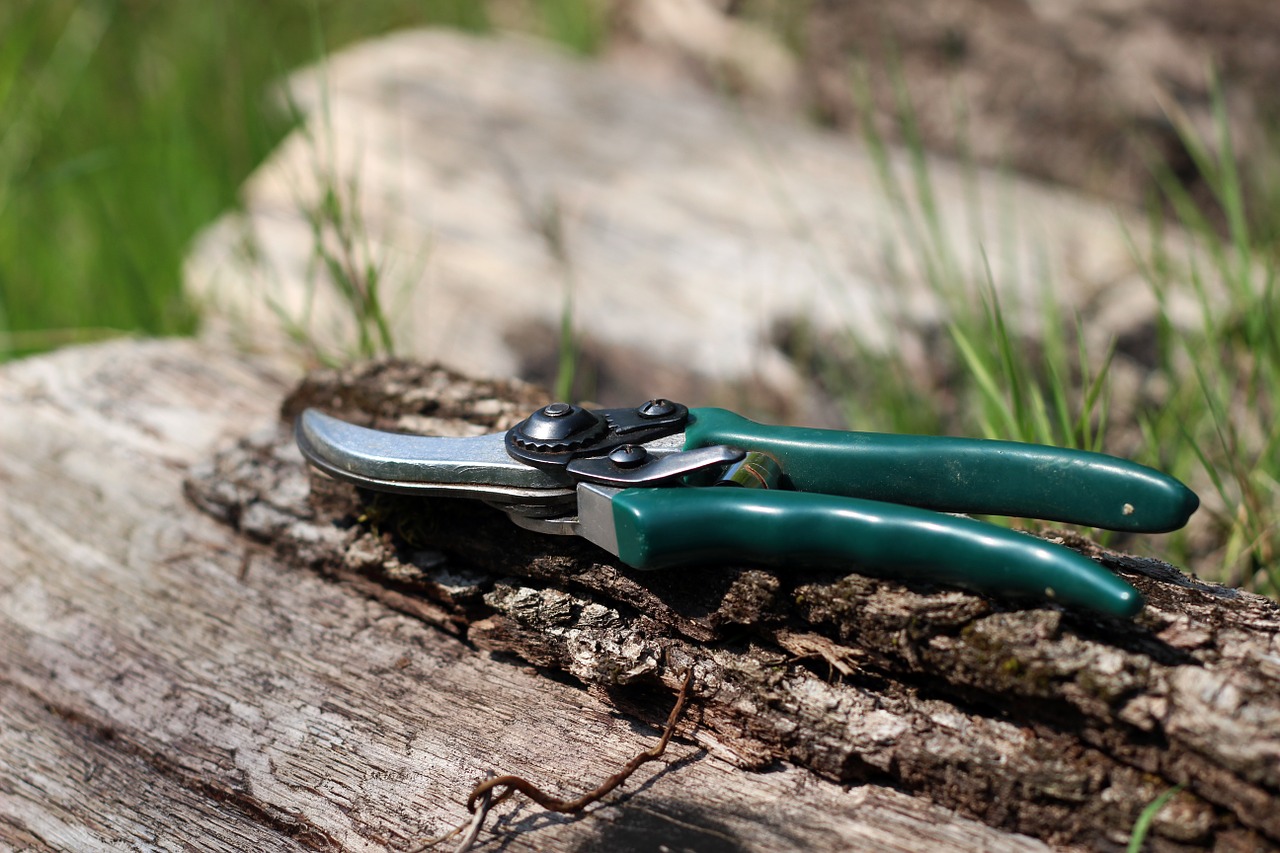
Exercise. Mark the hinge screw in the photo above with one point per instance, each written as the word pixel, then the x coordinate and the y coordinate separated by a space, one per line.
pixel 658 408
pixel 628 455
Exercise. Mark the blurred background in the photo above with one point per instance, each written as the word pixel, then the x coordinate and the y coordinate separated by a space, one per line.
pixel 129 126
pixel 126 125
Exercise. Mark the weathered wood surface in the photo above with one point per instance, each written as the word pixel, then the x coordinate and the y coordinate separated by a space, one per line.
pixel 1031 718
pixel 169 682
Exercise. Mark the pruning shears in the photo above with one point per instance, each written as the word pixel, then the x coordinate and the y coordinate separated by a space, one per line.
pixel 663 485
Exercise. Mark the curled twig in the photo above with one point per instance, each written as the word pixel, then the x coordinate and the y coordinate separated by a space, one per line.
pixel 555 804
pixel 482 799
pixel 469 829
pixel 487 801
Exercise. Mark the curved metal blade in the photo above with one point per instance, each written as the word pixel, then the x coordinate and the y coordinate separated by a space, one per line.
pixel 475 467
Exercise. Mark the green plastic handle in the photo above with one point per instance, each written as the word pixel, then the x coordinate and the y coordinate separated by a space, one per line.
pixel 961 474
pixel 660 528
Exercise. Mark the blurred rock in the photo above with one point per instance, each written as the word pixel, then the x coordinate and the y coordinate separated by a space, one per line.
pixel 1079 91
pixel 704 41
pixel 496 185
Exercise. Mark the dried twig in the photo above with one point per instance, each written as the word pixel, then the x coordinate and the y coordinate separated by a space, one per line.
pixel 470 830
pixel 482 800
pixel 533 792
pixel 487 801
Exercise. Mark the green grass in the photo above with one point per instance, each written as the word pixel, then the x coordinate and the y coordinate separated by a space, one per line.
pixel 125 127
pixel 1219 423
pixel 985 376
pixel 1207 410
pixel 1142 826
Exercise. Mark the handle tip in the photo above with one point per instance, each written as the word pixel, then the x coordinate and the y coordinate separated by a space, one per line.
pixel 1127 603
pixel 1188 503
pixel 1111 597
pixel 1166 505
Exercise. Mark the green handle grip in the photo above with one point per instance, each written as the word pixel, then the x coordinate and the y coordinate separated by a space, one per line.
pixel 660 528
pixel 961 474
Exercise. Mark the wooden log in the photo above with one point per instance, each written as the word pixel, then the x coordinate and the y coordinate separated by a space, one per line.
pixel 170 681
pixel 1035 719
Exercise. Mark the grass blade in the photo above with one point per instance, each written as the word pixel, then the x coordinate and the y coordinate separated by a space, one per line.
pixel 1142 826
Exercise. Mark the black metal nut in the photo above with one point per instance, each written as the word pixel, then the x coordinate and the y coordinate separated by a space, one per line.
pixel 657 408
pixel 628 456
pixel 558 426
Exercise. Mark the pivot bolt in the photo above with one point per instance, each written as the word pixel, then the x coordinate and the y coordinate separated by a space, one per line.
pixel 557 427
pixel 628 456
pixel 658 408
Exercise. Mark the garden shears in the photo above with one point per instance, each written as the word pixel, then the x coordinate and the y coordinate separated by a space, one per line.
pixel 663 485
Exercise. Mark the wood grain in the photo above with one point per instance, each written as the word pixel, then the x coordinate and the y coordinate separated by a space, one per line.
pixel 169 682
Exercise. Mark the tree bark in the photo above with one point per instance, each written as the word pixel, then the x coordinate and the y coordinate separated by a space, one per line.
pixel 171 680
pixel 1031 718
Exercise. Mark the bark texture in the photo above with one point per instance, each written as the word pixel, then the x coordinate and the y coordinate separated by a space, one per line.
pixel 1033 719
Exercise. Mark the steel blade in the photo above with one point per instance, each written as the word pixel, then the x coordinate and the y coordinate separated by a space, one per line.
pixel 474 466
